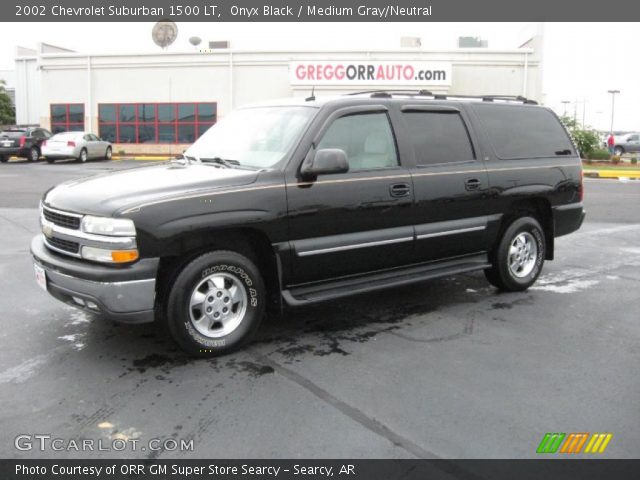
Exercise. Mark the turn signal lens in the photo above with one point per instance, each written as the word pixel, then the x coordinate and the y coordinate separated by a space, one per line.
pixel 109 256
pixel 124 256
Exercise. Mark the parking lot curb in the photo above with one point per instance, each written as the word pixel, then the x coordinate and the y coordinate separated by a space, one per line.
pixel 612 174
pixel 142 157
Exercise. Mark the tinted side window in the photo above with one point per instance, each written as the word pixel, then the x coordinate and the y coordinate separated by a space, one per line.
pixel 365 138
pixel 523 132
pixel 438 137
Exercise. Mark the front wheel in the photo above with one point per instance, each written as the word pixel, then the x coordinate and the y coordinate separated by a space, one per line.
pixel 517 261
pixel 83 156
pixel 216 303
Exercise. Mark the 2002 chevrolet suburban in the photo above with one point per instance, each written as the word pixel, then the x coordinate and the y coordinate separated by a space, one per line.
pixel 308 200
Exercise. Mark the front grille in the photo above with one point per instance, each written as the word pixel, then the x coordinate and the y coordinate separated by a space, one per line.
pixel 66 245
pixel 60 219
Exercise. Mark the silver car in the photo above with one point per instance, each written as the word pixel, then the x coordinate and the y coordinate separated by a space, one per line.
pixel 79 145
pixel 628 143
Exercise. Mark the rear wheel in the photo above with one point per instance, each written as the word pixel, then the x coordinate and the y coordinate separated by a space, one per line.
pixel 108 154
pixel 618 151
pixel 518 259
pixel 216 303
pixel 50 160
pixel 34 154
pixel 3 159
pixel 83 155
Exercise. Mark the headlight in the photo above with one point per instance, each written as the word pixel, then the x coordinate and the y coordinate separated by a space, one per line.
pixel 109 256
pixel 118 227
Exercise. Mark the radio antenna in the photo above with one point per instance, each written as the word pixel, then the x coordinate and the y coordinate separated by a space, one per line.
pixel 313 96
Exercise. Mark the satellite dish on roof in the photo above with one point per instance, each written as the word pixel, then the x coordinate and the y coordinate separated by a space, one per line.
pixel 195 41
pixel 164 33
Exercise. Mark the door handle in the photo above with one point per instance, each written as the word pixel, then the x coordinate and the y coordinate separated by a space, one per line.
pixel 399 190
pixel 472 184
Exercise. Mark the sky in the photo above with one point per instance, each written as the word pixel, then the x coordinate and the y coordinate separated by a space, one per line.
pixel 582 61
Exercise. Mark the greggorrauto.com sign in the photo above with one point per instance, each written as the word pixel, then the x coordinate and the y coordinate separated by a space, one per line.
pixel 370 73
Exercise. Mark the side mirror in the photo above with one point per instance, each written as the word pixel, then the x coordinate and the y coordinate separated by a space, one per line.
pixel 326 161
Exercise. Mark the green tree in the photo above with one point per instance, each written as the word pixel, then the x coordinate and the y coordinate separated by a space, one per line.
pixel 7 112
pixel 586 139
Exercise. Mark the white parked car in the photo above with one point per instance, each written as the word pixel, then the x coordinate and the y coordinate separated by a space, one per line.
pixel 80 145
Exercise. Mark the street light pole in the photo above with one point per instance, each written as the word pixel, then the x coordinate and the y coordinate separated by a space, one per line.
pixel 565 102
pixel 613 104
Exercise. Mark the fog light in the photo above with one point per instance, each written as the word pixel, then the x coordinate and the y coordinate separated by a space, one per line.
pixel 109 256
pixel 92 305
pixel 78 300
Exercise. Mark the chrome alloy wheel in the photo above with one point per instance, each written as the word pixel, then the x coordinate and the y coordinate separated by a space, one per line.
pixel 523 254
pixel 217 305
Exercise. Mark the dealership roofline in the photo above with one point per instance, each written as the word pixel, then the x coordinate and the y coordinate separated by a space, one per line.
pixel 72 54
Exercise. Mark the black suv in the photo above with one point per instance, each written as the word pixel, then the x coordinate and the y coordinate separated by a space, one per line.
pixel 303 201
pixel 22 142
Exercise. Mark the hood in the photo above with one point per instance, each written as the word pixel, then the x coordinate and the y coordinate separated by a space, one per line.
pixel 107 193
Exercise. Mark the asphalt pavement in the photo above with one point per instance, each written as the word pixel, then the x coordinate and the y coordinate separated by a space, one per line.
pixel 448 368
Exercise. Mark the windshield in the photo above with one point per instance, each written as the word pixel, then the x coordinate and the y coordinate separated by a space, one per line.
pixel 252 137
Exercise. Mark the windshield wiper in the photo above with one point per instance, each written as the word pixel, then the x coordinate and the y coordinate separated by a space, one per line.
pixel 221 161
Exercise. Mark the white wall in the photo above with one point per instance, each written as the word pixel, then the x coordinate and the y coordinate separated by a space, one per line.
pixel 27 92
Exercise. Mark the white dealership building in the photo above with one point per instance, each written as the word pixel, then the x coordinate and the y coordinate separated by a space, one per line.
pixel 161 102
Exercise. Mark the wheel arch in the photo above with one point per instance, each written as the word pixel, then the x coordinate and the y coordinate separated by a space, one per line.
pixel 540 209
pixel 250 242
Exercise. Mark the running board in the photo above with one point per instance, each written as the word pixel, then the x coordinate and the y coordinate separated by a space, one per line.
pixel 344 287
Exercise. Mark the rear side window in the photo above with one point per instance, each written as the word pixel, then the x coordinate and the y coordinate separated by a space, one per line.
pixel 523 132
pixel 438 137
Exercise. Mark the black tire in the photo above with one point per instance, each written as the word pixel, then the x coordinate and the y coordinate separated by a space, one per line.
pixel 618 151
pixel 34 154
pixel 108 154
pixel 50 160
pixel 178 313
pixel 501 275
pixel 4 159
pixel 84 156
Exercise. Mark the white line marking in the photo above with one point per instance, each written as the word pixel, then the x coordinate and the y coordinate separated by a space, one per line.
pixel 23 371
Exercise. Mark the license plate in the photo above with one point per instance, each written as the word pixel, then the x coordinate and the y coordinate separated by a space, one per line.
pixel 41 277
pixel 7 144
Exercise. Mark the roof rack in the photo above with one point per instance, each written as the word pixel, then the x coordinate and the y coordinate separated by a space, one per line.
pixel 442 96
pixel 390 93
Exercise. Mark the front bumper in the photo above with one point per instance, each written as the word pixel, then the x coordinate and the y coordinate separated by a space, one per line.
pixel 125 294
